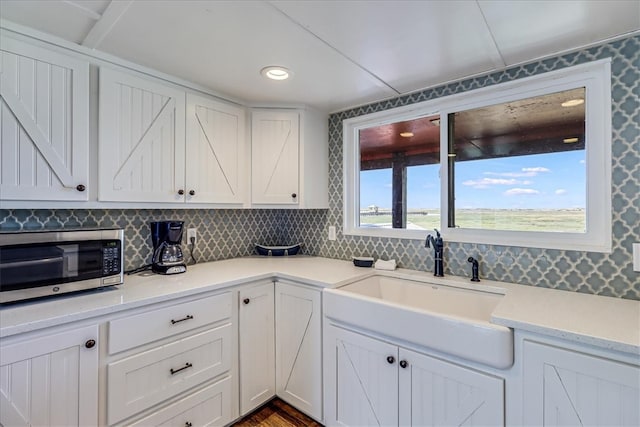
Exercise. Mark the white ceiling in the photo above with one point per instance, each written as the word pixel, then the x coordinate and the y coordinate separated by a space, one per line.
pixel 342 53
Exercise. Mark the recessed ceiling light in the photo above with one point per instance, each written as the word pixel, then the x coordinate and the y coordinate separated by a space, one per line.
pixel 406 134
pixel 573 102
pixel 275 72
pixel 451 155
pixel 435 122
pixel 570 140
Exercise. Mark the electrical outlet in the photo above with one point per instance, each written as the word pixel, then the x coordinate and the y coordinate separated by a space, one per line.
pixel 636 257
pixel 332 232
pixel 192 234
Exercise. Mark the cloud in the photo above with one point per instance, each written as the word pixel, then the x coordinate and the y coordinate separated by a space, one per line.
pixel 389 185
pixel 536 169
pixel 521 191
pixel 528 172
pixel 582 162
pixel 561 191
pixel 487 182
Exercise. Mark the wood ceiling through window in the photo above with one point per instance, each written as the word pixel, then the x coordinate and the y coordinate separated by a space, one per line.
pixel 529 126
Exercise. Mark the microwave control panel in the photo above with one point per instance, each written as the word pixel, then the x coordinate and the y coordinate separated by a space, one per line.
pixel 111 257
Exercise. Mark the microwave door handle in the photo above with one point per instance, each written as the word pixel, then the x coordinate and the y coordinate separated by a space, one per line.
pixel 30 262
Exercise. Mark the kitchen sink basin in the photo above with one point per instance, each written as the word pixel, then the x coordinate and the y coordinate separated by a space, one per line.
pixel 449 319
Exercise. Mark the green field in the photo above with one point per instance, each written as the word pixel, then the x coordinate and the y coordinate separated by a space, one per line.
pixel 559 220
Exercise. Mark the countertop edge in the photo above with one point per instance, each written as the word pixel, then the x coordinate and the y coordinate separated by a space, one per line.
pixel 560 314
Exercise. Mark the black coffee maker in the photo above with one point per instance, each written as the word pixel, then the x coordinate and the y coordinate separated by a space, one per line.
pixel 167 253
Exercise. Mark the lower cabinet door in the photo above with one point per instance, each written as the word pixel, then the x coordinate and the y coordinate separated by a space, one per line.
pixel 257 346
pixel 438 393
pixel 50 380
pixel 363 381
pixel 138 382
pixel 210 406
pixel 299 348
pixel 564 387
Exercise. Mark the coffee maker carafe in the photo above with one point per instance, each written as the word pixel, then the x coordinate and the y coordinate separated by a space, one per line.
pixel 167 253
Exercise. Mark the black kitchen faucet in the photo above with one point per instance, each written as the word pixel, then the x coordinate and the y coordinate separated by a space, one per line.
pixel 438 247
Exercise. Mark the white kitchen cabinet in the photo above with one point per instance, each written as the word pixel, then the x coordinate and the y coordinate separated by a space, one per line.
pixel 564 387
pixel 361 386
pixel 372 382
pixel 210 406
pixel 280 346
pixel 275 140
pixel 44 124
pixel 50 379
pixel 141 139
pixel 438 393
pixel 257 345
pixel 178 362
pixel 215 158
pixel 299 347
pixel 159 144
pixel 289 158
pixel 145 379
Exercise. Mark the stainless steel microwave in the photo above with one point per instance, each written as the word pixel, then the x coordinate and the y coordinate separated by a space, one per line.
pixel 39 263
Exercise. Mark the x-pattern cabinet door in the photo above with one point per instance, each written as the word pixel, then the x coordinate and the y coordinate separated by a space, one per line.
pixel 50 380
pixel 366 389
pixel 141 139
pixel 215 156
pixel 275 140
pixel 44 112
pixel 564 387
pixel 437 393
pixel 299 347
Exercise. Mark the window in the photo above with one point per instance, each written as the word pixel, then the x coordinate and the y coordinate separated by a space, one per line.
pixel 506 164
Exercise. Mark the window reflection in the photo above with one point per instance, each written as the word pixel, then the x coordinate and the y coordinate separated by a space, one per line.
pixel 520 165
pixel 399 184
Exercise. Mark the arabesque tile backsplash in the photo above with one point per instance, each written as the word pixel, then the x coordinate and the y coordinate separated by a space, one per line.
pixel 222 233
pixel 227 233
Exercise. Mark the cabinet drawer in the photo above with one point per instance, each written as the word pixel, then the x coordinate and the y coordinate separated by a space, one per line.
pixel 210 406
pixel 132 331
pixel 141 381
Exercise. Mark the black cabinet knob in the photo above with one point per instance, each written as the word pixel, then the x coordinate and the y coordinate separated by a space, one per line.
pixel 403 364
pixel 181 192
pixel 192 193
pixel 188 424
pixel 81 188
pixel 294 195
pixel 391 359
pixel 246 300
pixel 90 343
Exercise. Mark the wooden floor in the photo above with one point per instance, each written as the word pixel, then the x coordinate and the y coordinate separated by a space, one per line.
pixel 276 413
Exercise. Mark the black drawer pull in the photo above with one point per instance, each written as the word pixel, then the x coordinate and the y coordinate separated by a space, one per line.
pixel 404 364
pixel 391 359
pixel 186 366
pixel 188 424
pixel 188 317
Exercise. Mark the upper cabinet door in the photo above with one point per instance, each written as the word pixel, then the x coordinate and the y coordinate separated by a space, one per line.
pixel 215 156
pixel 141 140
pixel 275 141
pixel 44 124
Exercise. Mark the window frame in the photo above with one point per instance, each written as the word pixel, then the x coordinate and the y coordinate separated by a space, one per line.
pixel 594 76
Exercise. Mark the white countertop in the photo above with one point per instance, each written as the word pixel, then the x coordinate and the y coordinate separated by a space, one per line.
pixel 610 323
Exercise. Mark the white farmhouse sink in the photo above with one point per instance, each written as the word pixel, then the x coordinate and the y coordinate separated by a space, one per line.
pixel 445 318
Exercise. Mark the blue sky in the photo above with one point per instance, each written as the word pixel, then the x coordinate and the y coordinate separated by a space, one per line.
pixel 551 181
